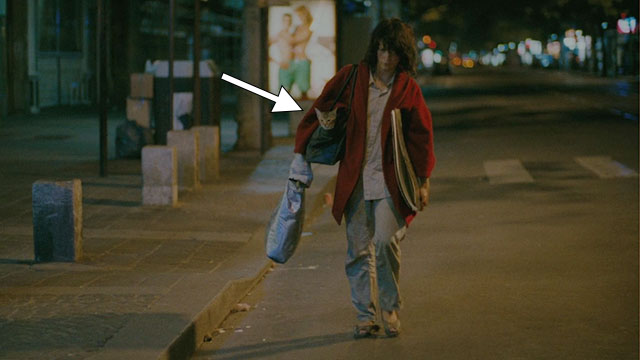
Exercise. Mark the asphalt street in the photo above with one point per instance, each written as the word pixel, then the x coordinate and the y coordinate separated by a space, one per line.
pixel 528 250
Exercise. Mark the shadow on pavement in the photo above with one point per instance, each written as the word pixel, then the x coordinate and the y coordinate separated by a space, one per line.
pixel 263 349
pixel 110 202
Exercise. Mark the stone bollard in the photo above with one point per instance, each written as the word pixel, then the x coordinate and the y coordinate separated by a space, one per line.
pixel 159 175
pixel 209 140
pixel 57 220
pixel 187 147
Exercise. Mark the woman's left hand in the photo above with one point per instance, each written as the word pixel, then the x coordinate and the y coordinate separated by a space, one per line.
pixel 424 194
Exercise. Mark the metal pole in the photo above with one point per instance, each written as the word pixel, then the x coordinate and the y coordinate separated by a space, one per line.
pixel 101 71
pixel 58 62
pixel 172 9
pixel 4 93
pixel 197 111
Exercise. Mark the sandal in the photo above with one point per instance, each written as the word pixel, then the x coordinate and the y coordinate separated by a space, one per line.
pixel 391 323
pixel 364 330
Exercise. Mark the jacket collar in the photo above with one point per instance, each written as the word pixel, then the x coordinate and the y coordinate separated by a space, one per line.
pixel 388 84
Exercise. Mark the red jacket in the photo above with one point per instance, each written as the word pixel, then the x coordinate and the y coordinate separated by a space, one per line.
pixel 405 95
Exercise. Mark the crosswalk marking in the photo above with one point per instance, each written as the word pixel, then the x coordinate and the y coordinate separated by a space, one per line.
pixel 508 171
pixel 605 167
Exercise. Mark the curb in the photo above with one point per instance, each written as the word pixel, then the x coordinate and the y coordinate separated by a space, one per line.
pixel 175 325
pixel 214 313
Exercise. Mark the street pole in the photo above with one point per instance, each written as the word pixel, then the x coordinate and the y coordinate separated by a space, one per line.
pixel 4 93
pixel 101 61
pixel 172 9
pixel 196 65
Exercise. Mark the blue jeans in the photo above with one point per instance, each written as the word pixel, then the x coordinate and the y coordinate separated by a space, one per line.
pixel 374 229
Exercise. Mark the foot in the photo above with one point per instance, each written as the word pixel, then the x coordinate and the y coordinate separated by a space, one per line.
pixel 391 323
pixel 365 329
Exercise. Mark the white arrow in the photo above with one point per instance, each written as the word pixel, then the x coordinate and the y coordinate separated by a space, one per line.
pixel 284 101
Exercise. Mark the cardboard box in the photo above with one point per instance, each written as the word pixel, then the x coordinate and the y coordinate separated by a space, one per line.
pixel 142 85
pixel 140 111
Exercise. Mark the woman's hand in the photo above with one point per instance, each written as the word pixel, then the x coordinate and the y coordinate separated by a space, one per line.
pixel 424 194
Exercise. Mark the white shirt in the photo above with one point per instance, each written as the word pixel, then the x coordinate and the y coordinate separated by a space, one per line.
pixel 372 175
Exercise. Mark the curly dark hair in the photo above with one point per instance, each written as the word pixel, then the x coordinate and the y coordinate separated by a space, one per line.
pixel 396 36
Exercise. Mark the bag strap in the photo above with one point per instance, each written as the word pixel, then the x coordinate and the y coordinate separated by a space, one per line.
pixel 353 72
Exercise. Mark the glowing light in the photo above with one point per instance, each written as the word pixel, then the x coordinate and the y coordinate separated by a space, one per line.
pixel 554 48
pixel 604 25
pixel 521 48
pixel 486 59
pixel 569 42
pixel 427 58
pixel 502 47
pixel 627 25
pixel 623 26
pixel 545 61
pixel 498 59
pixel 437 58
pixel 512 45
pixel 426 39
pixel 432 44
pixel 582 49
pixel 473 55
pixel 468 63
pixel 456 61
pixel 535 47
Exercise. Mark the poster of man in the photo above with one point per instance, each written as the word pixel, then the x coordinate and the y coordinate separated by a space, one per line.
pixel 302 43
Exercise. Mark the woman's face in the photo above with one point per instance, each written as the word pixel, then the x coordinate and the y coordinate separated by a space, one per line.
pixel 387 59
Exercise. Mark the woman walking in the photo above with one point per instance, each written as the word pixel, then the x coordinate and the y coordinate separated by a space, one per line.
pixel 367 193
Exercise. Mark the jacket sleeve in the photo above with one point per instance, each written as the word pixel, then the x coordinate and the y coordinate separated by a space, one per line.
pixel 309 122
pixel 419 134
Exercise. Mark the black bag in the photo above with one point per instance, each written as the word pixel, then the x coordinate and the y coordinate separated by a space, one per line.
pixel 327 146
pixel 131 138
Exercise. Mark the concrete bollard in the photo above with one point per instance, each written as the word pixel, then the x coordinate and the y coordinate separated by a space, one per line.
pixel 187 147
pixel 209 140
pixel 57 220
pixel 159 175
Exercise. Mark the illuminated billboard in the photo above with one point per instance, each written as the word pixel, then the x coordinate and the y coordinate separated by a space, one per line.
pixel 302 47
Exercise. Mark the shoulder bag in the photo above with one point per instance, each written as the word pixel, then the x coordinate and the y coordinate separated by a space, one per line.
pixel 327 146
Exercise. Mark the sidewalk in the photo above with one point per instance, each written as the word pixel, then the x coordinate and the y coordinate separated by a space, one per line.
pixel 153 281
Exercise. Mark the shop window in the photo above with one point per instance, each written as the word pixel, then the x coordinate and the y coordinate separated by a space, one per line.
pixel 60 25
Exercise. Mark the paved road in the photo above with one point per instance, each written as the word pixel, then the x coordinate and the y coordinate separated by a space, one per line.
pixel 528 250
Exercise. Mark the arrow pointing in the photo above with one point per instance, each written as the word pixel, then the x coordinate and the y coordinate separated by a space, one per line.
pixel 284 101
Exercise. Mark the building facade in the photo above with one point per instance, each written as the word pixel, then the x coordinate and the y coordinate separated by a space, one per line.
pixel 49 46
